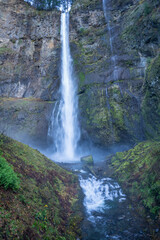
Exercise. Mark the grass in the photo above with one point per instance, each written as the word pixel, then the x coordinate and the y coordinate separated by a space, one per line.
pixel 45 204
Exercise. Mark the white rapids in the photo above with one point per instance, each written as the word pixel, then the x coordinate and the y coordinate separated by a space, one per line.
pixel 99 192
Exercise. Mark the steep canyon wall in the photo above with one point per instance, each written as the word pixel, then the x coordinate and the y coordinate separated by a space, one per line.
pixel 116 60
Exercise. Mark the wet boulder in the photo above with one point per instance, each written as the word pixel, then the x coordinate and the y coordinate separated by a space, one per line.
pixel 87 160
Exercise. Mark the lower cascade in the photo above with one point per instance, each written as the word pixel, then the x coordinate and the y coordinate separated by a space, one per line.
pixel 108 213
pixel 98 192
pixel 64 127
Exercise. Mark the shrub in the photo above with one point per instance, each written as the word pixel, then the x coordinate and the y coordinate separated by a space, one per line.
pixel 147 9
pixel 8 178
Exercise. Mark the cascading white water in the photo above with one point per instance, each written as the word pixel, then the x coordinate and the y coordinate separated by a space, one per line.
pixel 99 194
pixel 65 128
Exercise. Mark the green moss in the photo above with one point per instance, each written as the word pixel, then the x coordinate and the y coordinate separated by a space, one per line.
pixel 137 22
pixel 137 170
pixel 150 104
pixel 147 8
pixel 5 50
pixel 84 32
pixel 88 160
pixel 44 205
pixel 81 78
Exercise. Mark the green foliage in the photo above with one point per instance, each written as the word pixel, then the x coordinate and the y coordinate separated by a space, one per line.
pixel 81 78
pixel 4 50
pixel 151 100
pixel 84 32
pixel 147 9
pixel 42 182
pixel 8 178
pixel 138 170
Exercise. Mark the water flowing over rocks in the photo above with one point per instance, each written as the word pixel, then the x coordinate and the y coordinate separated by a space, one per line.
pixel 115 49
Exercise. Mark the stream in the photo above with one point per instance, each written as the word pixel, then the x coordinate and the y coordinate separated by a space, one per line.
pixel 108 213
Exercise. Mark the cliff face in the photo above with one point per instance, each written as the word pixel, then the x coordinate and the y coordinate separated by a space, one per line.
pixel 29 68
pixel 115 47
pixel 29 49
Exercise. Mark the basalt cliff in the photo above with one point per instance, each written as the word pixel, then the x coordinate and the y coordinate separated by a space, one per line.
pixel 115 49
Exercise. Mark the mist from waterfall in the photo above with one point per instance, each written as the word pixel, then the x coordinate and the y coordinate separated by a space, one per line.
pixel 64 126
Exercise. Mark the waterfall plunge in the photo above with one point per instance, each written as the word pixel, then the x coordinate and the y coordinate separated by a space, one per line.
pixel 64 126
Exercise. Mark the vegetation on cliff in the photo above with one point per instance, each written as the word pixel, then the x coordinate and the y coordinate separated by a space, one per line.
pixel 151 101
pixel 113 56
pixel 138 171
pixel 41 199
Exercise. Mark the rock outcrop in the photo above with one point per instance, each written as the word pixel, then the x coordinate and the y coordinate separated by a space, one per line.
pixel 111 51
pixel 115 48
pixel 138 172
pixel 29 70
pixel 26 120
pixel 29 49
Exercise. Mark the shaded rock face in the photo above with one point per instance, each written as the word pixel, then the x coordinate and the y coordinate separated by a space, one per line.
pixel 111 56
pixel 151 101
pixel 29 51
pixel 26 119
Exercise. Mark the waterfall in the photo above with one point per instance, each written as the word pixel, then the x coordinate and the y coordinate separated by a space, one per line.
pixel 65 130
pixel 114 63
pixel 107 18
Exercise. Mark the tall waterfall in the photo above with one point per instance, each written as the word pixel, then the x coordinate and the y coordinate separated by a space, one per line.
pixel 64 126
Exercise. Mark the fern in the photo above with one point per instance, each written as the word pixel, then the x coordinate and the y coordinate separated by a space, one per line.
pixel 8 178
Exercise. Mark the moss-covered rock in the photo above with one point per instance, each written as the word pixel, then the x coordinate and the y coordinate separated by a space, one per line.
pixel 46 204
pixel 110 115
pixel 87 160
pixel 151 102
pixel 141 27
pixel 110 61
pixel 138 172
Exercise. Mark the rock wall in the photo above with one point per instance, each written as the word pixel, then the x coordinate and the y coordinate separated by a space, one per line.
pixel 26 120
pixel 29 51
pixel 111 50
pixel 29 70
pixel 115 47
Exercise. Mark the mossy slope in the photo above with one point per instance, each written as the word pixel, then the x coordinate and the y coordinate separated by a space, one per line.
pixel 138 171
pixel 46 205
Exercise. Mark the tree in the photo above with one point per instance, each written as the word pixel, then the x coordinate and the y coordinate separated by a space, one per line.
pixel 44 4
